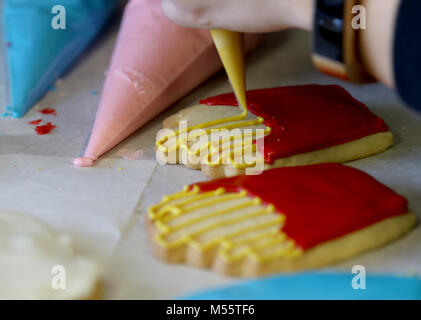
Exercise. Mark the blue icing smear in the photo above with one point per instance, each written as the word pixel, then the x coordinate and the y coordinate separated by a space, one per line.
pixel 36 53
pixel 317 286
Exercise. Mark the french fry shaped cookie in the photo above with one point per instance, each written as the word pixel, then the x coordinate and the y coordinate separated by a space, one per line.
pixel 285 219
pixel 285 126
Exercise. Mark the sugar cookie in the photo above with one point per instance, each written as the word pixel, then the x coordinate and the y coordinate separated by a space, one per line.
pixel 282 220
pixel 299 125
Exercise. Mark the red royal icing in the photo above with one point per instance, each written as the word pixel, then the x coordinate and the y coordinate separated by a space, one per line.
pixel 48 111
pixel 320 202
pixel 44 129
pixel 306 118
pixel 35 122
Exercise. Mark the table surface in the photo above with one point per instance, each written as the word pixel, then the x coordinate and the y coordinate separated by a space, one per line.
pixel 106 216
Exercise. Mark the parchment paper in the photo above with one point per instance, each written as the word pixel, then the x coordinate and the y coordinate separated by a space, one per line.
pixel 104 218
pixel 93 206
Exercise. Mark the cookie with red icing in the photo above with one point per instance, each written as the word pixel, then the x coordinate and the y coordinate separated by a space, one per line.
pixel 299 125
pixel 282 220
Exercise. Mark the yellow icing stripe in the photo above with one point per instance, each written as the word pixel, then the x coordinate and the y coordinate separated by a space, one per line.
pixel 221 148
pixel 226 222
pixel 154 212
pixel 174 211
pixel 229 242
pixel 192 207
pixel 218 157
pixel 261 239
pixel 160 224
pixel 257 237
pixel 183 141
pixel 289 250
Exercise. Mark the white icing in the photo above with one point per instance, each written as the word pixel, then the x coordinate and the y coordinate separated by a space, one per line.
pixel 28 252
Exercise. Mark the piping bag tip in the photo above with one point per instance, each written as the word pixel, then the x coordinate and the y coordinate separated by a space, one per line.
pixel 83 162
pixel 231 49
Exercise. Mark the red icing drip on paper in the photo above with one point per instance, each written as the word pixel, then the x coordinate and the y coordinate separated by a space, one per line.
pixel 48 111
pixel 306 118
pixel 320 202
pixel 45 129
pixel 35 122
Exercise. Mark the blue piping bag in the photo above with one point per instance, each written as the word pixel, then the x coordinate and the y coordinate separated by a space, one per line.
pixel 38 54
pixel 318 286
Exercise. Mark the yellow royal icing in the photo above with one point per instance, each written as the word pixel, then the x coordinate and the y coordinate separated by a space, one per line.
pixel 230 46
pixel 179 222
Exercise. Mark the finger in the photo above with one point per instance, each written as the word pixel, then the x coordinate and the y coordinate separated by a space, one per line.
pixel 237 15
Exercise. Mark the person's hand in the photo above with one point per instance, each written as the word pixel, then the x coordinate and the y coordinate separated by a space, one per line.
pixel 256 16
pixel 241 15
